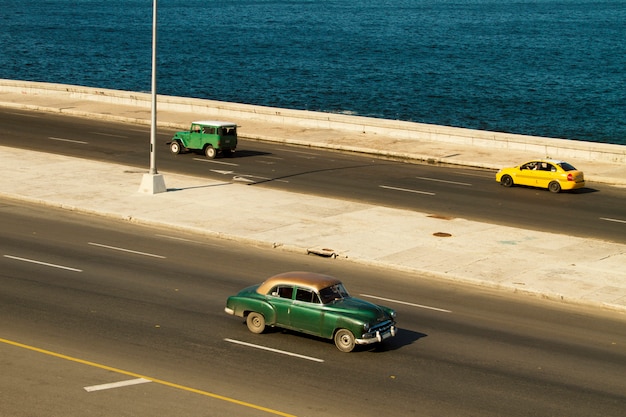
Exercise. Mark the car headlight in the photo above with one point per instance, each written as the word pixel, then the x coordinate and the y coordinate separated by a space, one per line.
pixel 366 327
pixel 393 315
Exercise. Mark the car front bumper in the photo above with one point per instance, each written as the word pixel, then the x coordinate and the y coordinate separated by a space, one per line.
pixel 376 337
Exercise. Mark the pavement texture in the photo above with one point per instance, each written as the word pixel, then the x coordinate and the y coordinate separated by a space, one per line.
pixel 516 260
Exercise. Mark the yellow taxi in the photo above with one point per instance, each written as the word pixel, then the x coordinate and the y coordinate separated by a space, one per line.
pixel 545 173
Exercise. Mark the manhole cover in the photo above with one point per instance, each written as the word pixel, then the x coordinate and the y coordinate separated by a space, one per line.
pixel 442 234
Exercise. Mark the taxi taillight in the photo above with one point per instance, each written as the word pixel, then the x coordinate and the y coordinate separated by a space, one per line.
pixel 570 177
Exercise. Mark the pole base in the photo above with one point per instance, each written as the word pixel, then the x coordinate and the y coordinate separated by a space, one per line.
pixel 152 184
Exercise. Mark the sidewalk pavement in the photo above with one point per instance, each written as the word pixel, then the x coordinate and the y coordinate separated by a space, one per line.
pixel 511 259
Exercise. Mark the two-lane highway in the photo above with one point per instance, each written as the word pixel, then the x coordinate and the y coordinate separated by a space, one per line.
pixel 109 318
pixel 598 211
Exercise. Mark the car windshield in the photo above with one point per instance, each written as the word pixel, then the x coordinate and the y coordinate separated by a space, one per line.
pixel 332 293
pixel 566 166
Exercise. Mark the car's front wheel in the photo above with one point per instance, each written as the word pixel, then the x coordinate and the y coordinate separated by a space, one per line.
pixel 255 322
pixel 344 340
pixel 554 187
pixel 210 152
pixel 506 180
pixel 175 148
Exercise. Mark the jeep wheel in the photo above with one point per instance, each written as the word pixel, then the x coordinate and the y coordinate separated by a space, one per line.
pixel 344 340
pixel 175 148
pixel 255 322
pixel 210 152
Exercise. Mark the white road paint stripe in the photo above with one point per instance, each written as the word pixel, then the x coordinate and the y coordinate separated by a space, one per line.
pixel 24 115
pixel 117 384
pixel 299 152
pixel 68 140
pixel 215 162
pixel 406 303
pixel 109 135
pixel 608 219
pixel 32 261
pixel 126 250
pixel 239 342
pixel 406 190
pixel 182 239
pixel 445 181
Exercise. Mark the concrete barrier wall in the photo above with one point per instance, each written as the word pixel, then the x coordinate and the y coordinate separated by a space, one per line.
pixel 556 148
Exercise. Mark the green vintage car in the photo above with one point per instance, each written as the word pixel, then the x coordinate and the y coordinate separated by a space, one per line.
pixel 208 136
pixel 316 304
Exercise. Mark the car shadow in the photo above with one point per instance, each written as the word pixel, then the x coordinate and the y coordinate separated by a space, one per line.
pixel 244 153
pixel 403 337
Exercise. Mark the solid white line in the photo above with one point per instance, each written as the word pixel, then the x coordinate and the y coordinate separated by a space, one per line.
pixel 109 134
pixel 406 189
pixel 612 220
pixel 182 239
pixel 126 250
pixel 68 140
pixel 447 182
pixel 43 263
pixel 215 162
pixel 406 303
pixel 299 152
pixel 239 342
pixel 117 384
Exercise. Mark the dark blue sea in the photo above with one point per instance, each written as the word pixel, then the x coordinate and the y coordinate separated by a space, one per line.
pixel 554 68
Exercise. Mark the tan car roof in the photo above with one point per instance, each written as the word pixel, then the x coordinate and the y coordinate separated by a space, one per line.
pixel 303 279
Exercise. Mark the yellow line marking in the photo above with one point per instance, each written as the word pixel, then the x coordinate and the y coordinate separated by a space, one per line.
pixel 155 380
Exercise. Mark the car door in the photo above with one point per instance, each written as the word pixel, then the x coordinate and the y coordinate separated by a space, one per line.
pixel 195 137
pixel 282 300
pixel 546 172
pixel 307 313
pixel 527 174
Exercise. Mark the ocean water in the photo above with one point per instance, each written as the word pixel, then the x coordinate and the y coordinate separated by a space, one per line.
pixel 554 68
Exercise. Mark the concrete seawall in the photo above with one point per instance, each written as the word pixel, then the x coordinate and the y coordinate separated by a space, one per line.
pixel 556 148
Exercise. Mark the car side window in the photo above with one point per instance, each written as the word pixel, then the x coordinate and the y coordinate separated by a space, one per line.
pixel 282 291
pixel 306 295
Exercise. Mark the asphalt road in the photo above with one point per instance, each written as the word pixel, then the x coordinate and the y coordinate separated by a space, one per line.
pixel 85 301
pixel 440 190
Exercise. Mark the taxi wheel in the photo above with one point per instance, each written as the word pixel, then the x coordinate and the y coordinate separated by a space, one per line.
pixel 506 180
pixel 344 340
pixel 255 322
pixel 554 187
pixel 210 152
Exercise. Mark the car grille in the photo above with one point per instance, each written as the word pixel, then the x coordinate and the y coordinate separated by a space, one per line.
pixel 381 327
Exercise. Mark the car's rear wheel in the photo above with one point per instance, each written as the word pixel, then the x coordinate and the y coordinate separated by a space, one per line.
pixel 210 152
pixel 506 180
pixel 255 322
pixel 175 148
pixel 554 187
pixel 344 340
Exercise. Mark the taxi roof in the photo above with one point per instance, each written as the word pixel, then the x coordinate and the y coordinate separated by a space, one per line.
pixel 217 123
pixel 303 279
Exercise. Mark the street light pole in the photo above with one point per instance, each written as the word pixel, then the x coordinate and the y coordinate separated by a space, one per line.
pixel 153 182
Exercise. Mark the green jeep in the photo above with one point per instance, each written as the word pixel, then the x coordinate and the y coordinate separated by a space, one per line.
pixel 210 137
